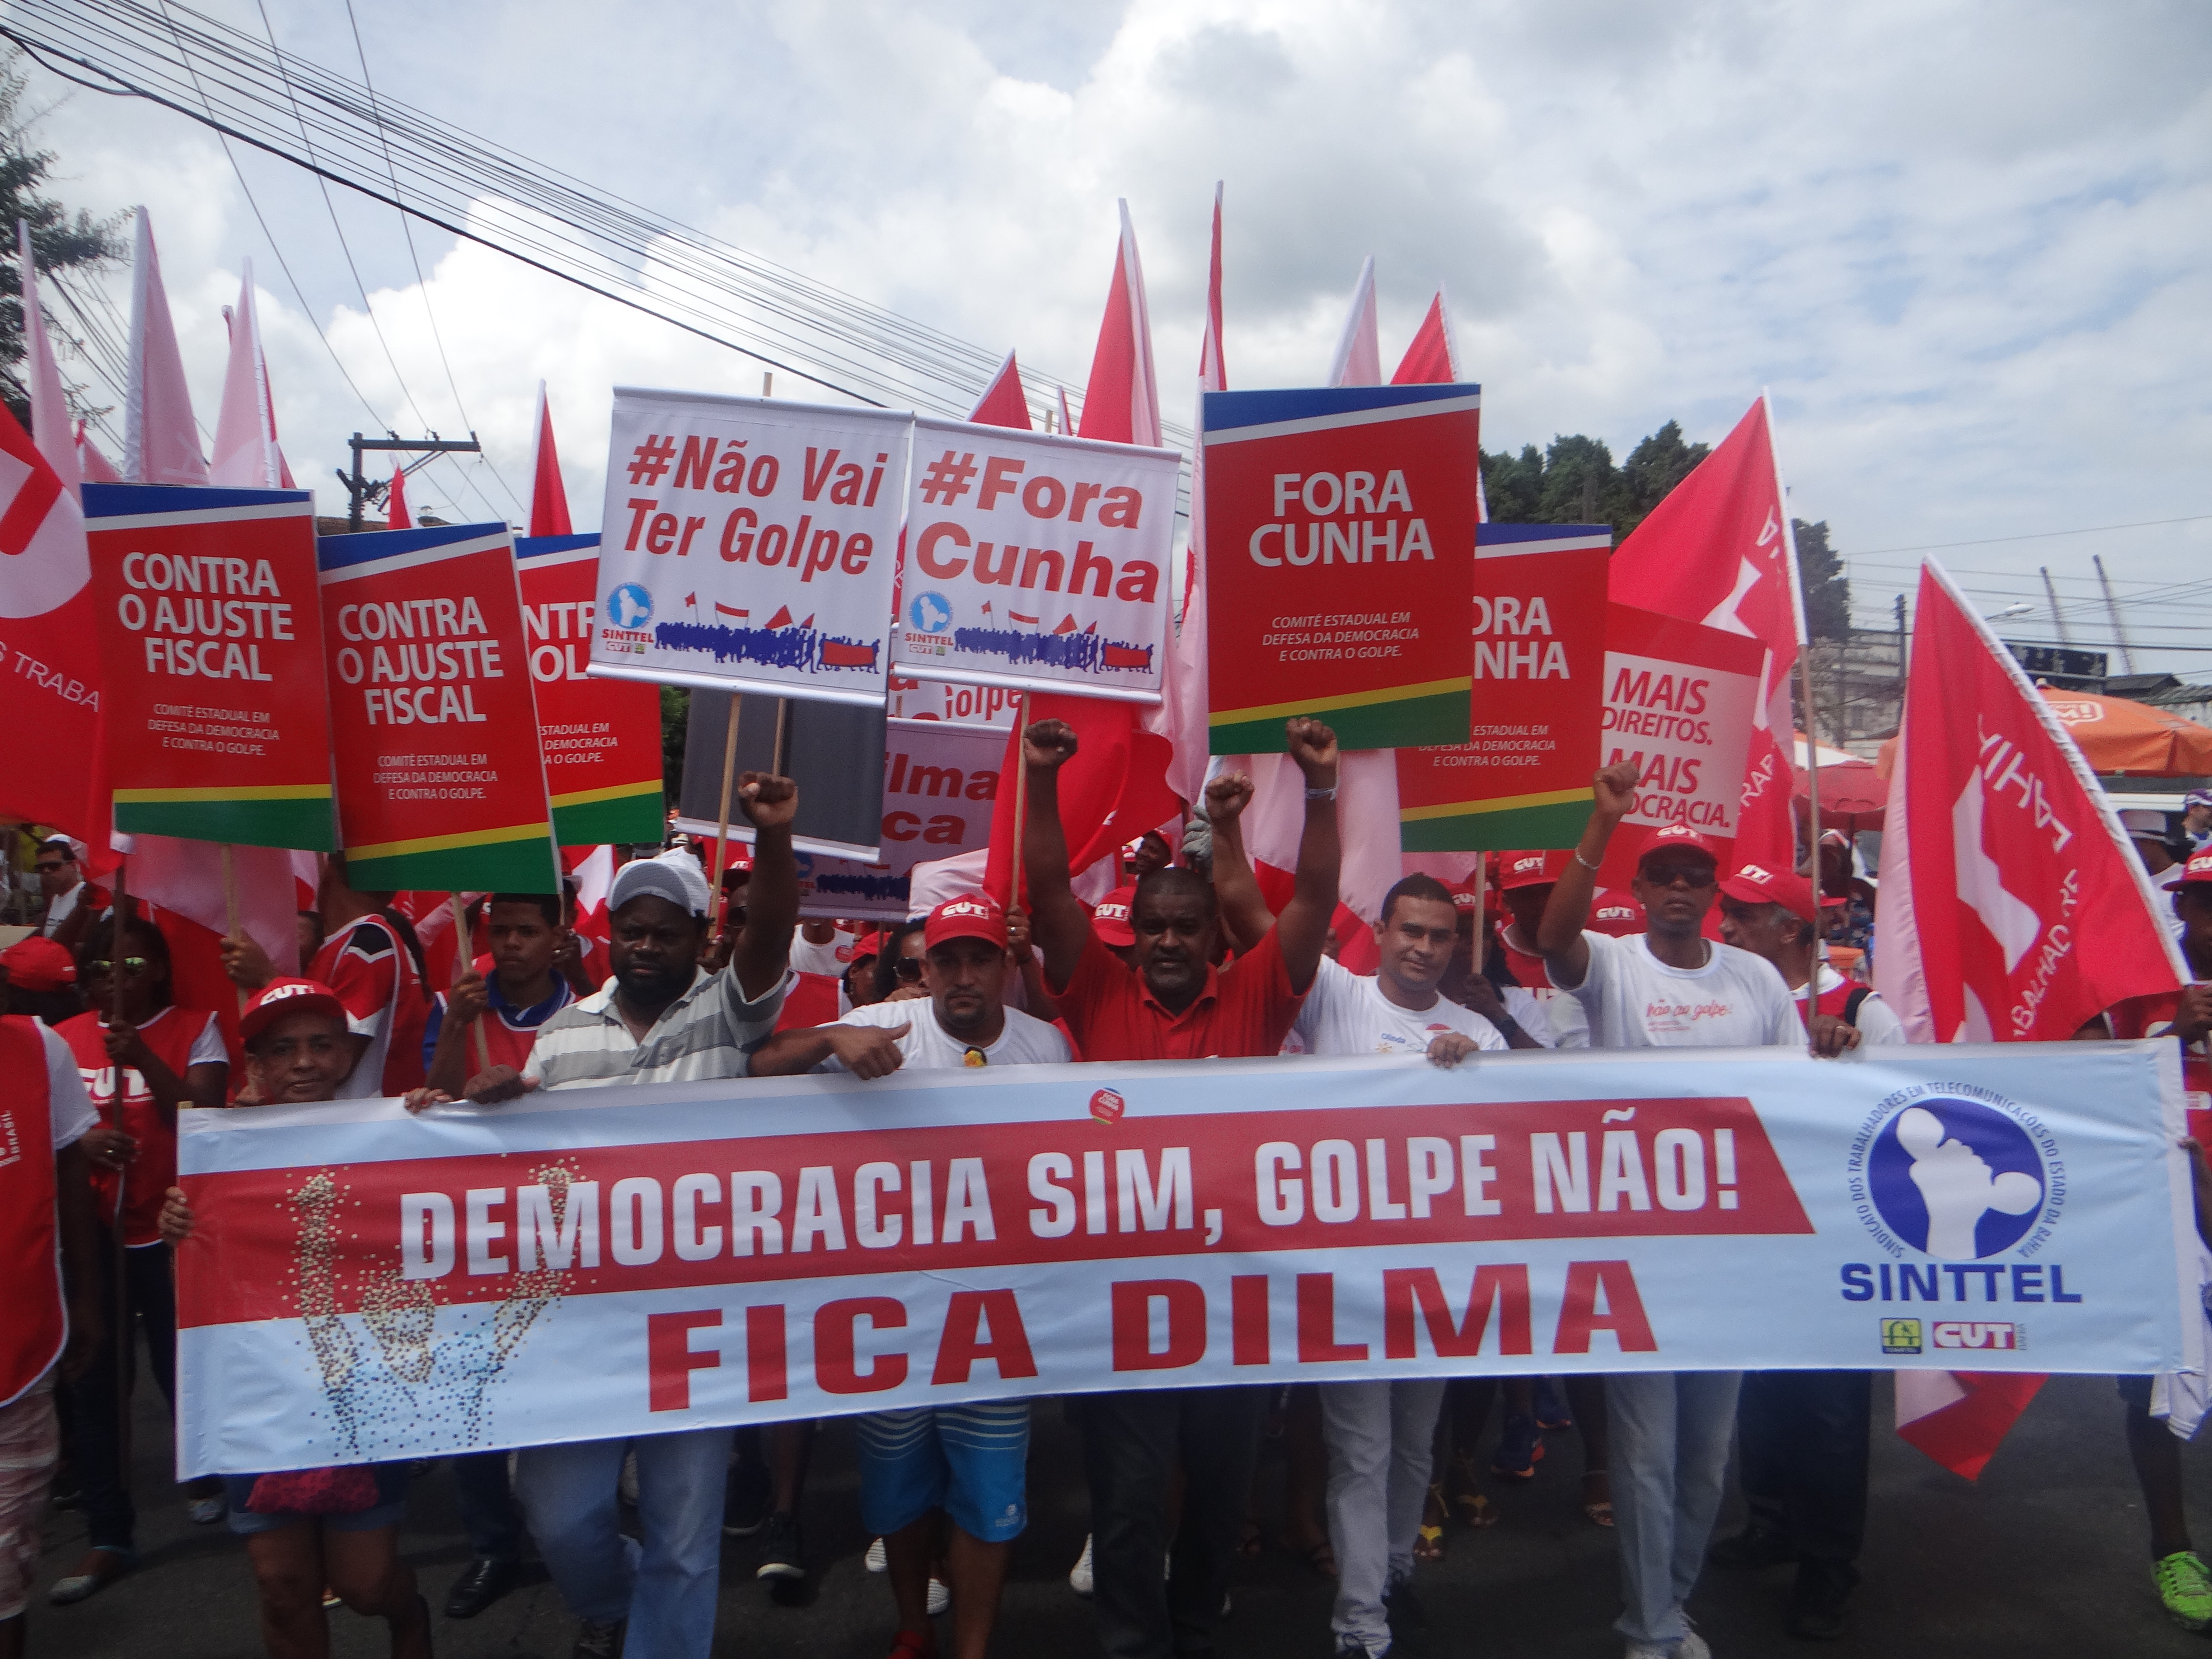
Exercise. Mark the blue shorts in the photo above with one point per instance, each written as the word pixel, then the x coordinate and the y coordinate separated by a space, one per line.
pixel 971 1461
pixel 389 1509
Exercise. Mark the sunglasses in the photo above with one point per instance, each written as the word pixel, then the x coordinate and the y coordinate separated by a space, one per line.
pixel 908 967
pixel 50 869
pixel 132 966
pixel 1689 875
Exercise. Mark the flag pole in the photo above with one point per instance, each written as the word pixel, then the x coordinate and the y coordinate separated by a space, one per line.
pixel 1805 690
pixel 117 1261
pixel 729 777
pixel 780 752
pixel 1021 803
pixel 461 961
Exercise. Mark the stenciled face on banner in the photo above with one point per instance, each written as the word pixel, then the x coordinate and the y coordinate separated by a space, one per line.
pixel 749 545
pixel 1036 562
pixel 1340 530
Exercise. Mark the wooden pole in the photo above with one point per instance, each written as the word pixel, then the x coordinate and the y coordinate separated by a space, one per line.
pixel 120 1335
pixel 1813 804
pixel 1021 803
pixel 729 781
pixel 230 912
pixel 780 752
pixel 461 960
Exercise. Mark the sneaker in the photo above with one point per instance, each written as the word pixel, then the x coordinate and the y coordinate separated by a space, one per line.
pixel 1757 1547
pixel 2185 1588
pixel 1403 1609
pixel 1552 1411
pixel 598 1640
pixel 1817 1603
pixel 1351 1647
pixel 779 1555
pixel 1079 1575
pixel 747 1499
pixel 940 1596
pixel 206 1511
pixel 1520 1448
pixel 1691 1646
pixel 877 1560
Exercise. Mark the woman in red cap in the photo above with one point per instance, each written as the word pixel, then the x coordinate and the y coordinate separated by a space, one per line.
pixel 309 1528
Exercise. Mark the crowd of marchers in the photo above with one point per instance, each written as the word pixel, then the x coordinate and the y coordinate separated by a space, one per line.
pixel 1187 962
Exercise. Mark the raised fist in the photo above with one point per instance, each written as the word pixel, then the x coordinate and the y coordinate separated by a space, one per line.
pixel 1048 744
pixel 1615 788
pixel 1227 796
pixel 768 801
pixel 1313 746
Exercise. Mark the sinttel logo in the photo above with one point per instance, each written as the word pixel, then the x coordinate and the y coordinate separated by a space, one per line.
pixel 1955 1172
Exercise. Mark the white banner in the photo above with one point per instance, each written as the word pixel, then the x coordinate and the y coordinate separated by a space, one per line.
pixel 751 544
pixel 1035 562
pixel 364 1285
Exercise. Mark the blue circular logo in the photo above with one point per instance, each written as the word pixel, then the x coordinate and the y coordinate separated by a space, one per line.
pixel 929 613
pixel 630 606
pixel 1955 1178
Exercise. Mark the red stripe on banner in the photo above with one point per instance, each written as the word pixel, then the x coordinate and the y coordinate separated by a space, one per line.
pixel 952 1198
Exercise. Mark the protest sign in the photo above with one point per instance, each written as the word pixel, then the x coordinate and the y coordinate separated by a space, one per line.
pixel 365 1285
pixel 941 699
pixel 1680 700
pixel 1523 778
pixel 601 737
pixel 829 752
pixel 1340 535
pixel 218 725
pixel 441 785
pixel 1036 562
pixel 749 545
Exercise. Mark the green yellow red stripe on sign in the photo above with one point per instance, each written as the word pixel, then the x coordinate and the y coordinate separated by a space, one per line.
pixel 250 815
pixel 619 812
pixel 510 858
pixel 1425 712
pixel 1550 819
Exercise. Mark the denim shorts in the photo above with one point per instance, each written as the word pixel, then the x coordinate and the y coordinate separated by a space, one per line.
pixel 390 1509
pixel 969 1460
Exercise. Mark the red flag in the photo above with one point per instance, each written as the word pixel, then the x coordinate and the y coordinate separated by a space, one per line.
pixel 160 440
pixel 1004 403
pixel 396 516
pixel 1432 358
pixel 1122 402
pixel 549 498
pixel 95 466
pixel 1719 552
pixel 1358 359
pixel 1999 843
pixel 50 681
pixel 1114 789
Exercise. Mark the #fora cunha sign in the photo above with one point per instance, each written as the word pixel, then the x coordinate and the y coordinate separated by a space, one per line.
pixel 1036 562
pixel 749 545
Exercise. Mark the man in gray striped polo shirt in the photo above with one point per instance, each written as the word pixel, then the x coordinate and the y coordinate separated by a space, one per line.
pixel 663 1018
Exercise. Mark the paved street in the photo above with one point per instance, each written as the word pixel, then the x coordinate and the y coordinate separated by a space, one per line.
pixel 2046 1555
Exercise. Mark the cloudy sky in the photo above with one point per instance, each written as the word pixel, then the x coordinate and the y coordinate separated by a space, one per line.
pixel 1964 244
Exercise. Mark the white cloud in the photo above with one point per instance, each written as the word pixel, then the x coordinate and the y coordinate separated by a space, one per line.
pixel 1963 241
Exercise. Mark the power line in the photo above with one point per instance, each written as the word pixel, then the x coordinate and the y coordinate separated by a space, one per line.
pixel 2036 536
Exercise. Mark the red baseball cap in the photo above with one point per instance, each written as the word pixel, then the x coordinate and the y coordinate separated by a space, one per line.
pixel 1110 920
pixel 1678 836
pixel 1617 913
pixel 1755 884
pixel 2199 868
pixel 1529 869
pixel 281 997
pixel 870 944
pixel 970 917
pixel 1466 900
pixel 38 964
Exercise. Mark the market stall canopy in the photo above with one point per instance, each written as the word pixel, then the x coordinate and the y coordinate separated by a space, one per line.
pixel 2118 737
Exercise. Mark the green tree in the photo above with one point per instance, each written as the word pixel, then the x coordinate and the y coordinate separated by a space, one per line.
pixel 1827 590
pixel 1654 467
pixel 1574 480
pixel 59 239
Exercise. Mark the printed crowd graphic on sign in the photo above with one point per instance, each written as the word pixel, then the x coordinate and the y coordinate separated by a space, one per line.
pixel 601 737
pixel 1036 562
pixel 1678 702
pixel 1340 535
pixel 803 1247
pixel 217 724
pixel 1522 780
pixel 751 544
pixel 441 781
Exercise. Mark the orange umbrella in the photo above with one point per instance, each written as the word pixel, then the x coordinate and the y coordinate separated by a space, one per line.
pixel 1853 794
pixel 2116 736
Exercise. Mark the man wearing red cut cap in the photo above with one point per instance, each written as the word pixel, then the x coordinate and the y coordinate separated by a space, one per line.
pixel 1110 922
pixel 41 977
pixel 1673 988
pixel 964 1461
pixel 1174 1005
pixel 1771 913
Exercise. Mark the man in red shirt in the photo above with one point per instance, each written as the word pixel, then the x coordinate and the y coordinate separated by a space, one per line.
pixel 1172 1004
pixel 169 1057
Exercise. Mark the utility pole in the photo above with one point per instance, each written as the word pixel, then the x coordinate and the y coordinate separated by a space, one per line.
pixel 2058 617
pixel 356 481
pixel 2113 610
pixel 1903 662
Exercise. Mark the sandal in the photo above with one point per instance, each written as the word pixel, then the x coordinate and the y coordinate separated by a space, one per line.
pixel 103 1564
pixel 1429 1542
pixel 1598 1510
pixel 1476 1511
pixel 1322 1558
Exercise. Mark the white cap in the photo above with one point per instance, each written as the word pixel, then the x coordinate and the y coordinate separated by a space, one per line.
pixel 674 876
pixel 2140 821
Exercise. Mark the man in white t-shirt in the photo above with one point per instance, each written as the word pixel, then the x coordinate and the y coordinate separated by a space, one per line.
pixel 1671 988
pixel 964 1462
pixel 1380 1434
